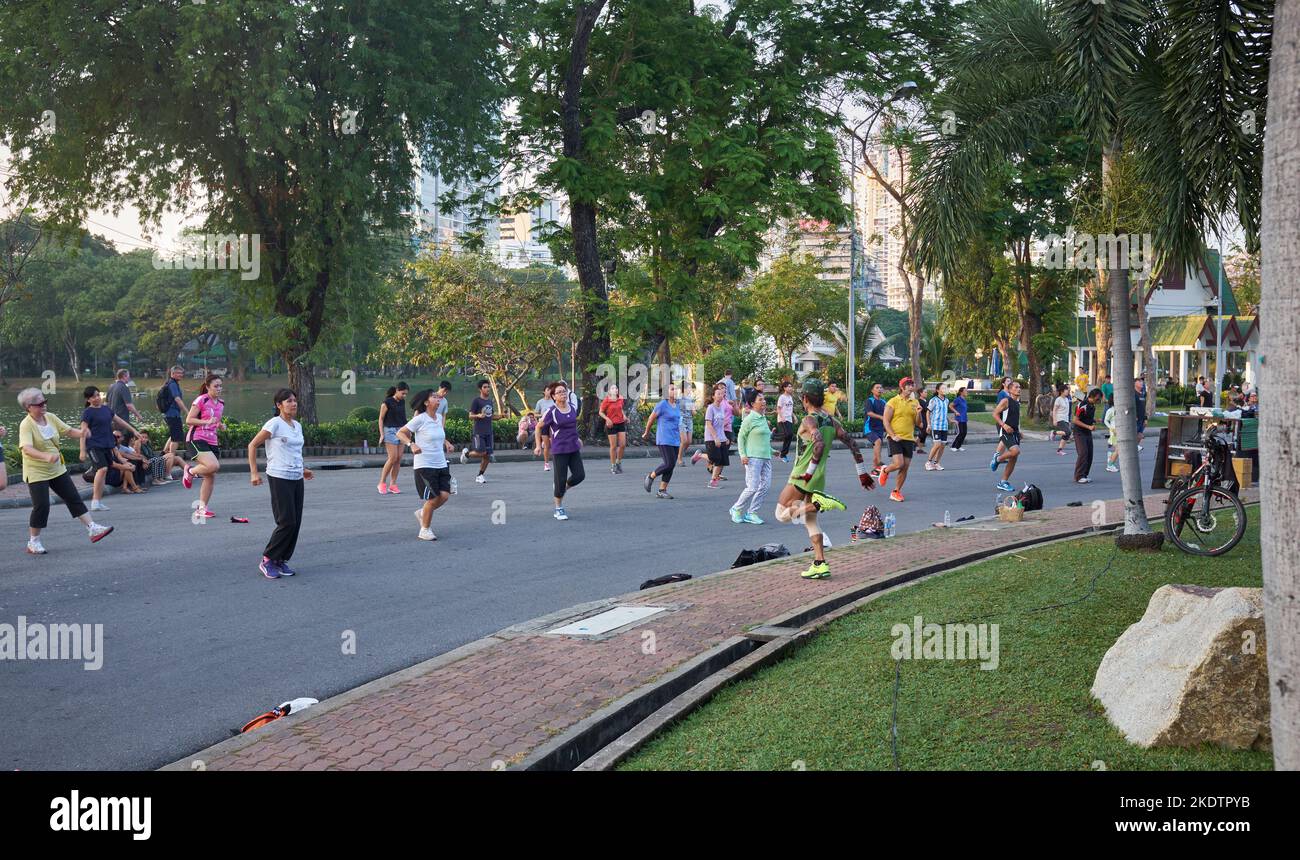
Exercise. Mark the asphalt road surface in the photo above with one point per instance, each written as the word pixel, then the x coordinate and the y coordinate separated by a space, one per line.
pixel 196 641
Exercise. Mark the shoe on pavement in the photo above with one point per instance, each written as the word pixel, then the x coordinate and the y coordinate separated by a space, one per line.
pixel 98 532
pixel 284 569
pixel 1112 468
pixel 383 489
pixel 426 534
pixel 993 464
pixel 613 470
pixel 392 488
pixel 826 502
pixel 1061 451
pixel 268 568
pixel 479 479
pixel 34 547
pixel 1005 486
pixel 546 467
pixel 649 480
pixel 618 468
pixel 98 506
pixel 1084 481
pixel 696 457
pixel 896 496
pixel 938 467
pixel 560 514
pixel 752 519
pixel 818 570
pixel 186 478
pixel 464 456
pixel 662 494
pixel 735 515
pixel 929 466
pixel 713 485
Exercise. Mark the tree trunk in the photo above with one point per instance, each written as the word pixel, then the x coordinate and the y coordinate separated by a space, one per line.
pixel 302 379
pixel 1279 366
pixel 915 298
pixel 1102 308
pixel 1031 325
pixel 1148 352
pixel 1135 513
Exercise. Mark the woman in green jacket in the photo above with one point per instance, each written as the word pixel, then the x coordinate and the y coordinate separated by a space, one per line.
pixel 754 441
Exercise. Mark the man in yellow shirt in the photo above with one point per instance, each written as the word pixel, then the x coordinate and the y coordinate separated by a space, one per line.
pixel 901 414
pixel 832 397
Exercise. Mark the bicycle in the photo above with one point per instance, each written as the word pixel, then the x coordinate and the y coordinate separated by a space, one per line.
pixel 1203 518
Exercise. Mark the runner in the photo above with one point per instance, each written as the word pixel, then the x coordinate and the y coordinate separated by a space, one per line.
pixel 686 403
pixel 43 469
pixel 392 415
pixel 97 443
pixel 611 410
pixel 1007 416
pixel 483 412
pixel 717 419
pixel 543 443
pixel 566 446
pixel 282 436
pixel 923 416
pixel 900 417
pixel 1085 422
pixel 755 446
pixel 172 414
pixel 785 419
pixel 939 410
pixel 959 408
pixel 804 497
pixel 1061 416
pixel 668 436
pixel 426 433
pixel 1112 453
pixel 874 422
pixel 204 420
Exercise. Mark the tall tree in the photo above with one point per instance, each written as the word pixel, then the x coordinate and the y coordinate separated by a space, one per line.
pixel 296 124
pixel 796 303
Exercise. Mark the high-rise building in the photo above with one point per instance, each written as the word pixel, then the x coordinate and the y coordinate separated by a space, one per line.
pixel 879 222
pixel 521 234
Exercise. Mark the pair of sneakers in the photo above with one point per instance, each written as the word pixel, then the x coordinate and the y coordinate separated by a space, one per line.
pixel 751 518
pixel 274 569
pixel 389 488
pixel 95 530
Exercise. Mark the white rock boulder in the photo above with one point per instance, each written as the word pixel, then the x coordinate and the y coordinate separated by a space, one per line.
pixel 1192 671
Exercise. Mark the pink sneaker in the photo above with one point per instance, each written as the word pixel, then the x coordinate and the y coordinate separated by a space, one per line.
pixel 713 485
pixel 392 488
pixel 546 467
pixel 186 478
pixel 383 489
pixel 696 457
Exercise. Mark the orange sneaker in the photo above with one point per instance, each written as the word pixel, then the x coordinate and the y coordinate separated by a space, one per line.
pixel 896 496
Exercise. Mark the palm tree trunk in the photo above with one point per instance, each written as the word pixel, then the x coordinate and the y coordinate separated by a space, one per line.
pixel 1148 352
pixel 1279 435
pixel 1135 513
pixel 1102 308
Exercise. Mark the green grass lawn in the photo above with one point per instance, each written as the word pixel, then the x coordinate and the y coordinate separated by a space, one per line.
pixel 829 705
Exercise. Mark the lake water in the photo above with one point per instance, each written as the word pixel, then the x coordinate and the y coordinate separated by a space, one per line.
pixel 245 401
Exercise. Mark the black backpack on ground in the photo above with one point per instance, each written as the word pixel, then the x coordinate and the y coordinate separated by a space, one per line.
pixel 664 580
pixel 1031 498
pixel 763 553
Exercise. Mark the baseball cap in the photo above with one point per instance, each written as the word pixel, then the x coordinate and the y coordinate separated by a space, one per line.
pixel 904 382
pixel 813 385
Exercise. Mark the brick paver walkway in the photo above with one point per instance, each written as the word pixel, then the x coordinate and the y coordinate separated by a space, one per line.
pixel 515 691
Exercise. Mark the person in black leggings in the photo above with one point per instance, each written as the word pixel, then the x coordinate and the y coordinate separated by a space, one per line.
pixel 668 436
pixel 566 446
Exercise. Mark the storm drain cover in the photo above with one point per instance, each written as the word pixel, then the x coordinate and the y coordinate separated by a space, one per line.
pixel 610 619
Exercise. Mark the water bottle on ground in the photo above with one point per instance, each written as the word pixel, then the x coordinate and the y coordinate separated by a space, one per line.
pixel 947 519
pixel 453 486
pixel 853 535
pixel 889 525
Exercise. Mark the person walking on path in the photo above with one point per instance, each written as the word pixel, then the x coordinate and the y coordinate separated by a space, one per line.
pixel 444 391
pixel 1140 409
pixel 755 446
pixel 900 418
pixel 1007 416
pixel 172 416
pixel 1085 422
pixel 923 417
pixel 1061 408
pixel 483 412
pixel 1112 453
pixel 959 411
pixel 804 497
pixel 728 383
pixel 873 421
pixel 717 419
pixel 566 446
pixel 940 409
pixel 426 434
pixel 668 437
pixel 204 420
pixel 392 415
pixel 282 435
pixel 119 398
pixel 611 411
pixel 542 445
pixel 97 441
pixel 785 419
pixel 686 404
pixel 44 470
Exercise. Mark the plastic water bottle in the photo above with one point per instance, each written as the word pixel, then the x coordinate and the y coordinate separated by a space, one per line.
pixel 453 486
pixel 947 519
pixel 889 525
pixel 853 535
pixel 365 446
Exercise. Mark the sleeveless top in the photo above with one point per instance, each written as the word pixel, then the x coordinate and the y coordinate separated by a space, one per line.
pixel 817 483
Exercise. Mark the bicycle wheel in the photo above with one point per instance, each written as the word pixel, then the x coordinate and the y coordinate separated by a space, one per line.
pixel 1204 521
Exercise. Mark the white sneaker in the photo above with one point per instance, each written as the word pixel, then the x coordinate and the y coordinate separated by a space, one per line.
pixel 98 506
pixel 560 514
pixel 464 456
pixel 1139 447
pixel 929 466
pixel 1084 481
pixel 1112 468
pixel 427 534
pixel 479 479
pixel 938 467
pixel 34 546
pixel 97 532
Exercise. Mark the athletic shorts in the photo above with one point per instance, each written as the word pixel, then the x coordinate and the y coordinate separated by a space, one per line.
pixel 876 436
pixel 390 436
pixel 175 428
pixel 98 458
pixel 719 455
pixel 906 447
pixel 430 482
pixel 620 427
pixel 1009 440
pixel 198 446
pixel 939 435
pixel 1064 428
pixel 482 443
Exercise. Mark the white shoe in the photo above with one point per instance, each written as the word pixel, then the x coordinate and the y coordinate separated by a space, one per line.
pixel 1139 447
pixel 1084 481
pixel 938 467
pixel 560 514
pixel 98 506
pixel 464 456
pixel 1112 468
pixel 34 546
pixel 97 531
pixel 479 479
pixel 427 534
pixel 929 466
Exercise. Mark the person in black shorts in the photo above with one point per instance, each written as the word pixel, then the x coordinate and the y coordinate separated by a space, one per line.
pixel 482 411
pixel 174 417
pixel 1007 416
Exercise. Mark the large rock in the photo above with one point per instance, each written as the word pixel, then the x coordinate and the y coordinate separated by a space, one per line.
pixel 1192 671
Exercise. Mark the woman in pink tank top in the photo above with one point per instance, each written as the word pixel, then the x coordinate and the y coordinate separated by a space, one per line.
pixel 204 420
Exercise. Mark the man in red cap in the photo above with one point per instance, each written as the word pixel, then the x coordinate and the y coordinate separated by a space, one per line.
pixel 900 425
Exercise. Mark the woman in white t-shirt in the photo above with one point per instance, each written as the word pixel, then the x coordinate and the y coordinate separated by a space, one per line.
pixel 686 405
pixel 283 438
pixel 426 433
pixel 1061 411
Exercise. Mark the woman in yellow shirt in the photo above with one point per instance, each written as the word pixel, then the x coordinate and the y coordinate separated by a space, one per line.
pixel 43 469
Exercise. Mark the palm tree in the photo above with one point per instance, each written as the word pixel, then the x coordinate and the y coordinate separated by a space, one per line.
pixel 1165 82
pixel 936 355
pixel 871 344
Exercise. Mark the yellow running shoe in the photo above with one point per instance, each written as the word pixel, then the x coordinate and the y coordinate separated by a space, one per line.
pixel 827 503
pixel 818 570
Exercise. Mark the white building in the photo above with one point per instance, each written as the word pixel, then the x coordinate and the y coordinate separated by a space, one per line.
pixel 879 223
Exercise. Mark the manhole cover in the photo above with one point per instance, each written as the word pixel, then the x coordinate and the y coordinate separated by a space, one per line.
pixel 610 619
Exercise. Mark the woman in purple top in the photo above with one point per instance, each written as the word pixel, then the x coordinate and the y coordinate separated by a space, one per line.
pixel 566 448
pixel 717 421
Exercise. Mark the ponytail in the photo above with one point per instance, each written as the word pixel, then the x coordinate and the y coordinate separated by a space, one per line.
pixel 392 389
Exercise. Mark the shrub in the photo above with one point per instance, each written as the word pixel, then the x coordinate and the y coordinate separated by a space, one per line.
pixel 457 412
pixel 976 406
pixel 364 413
